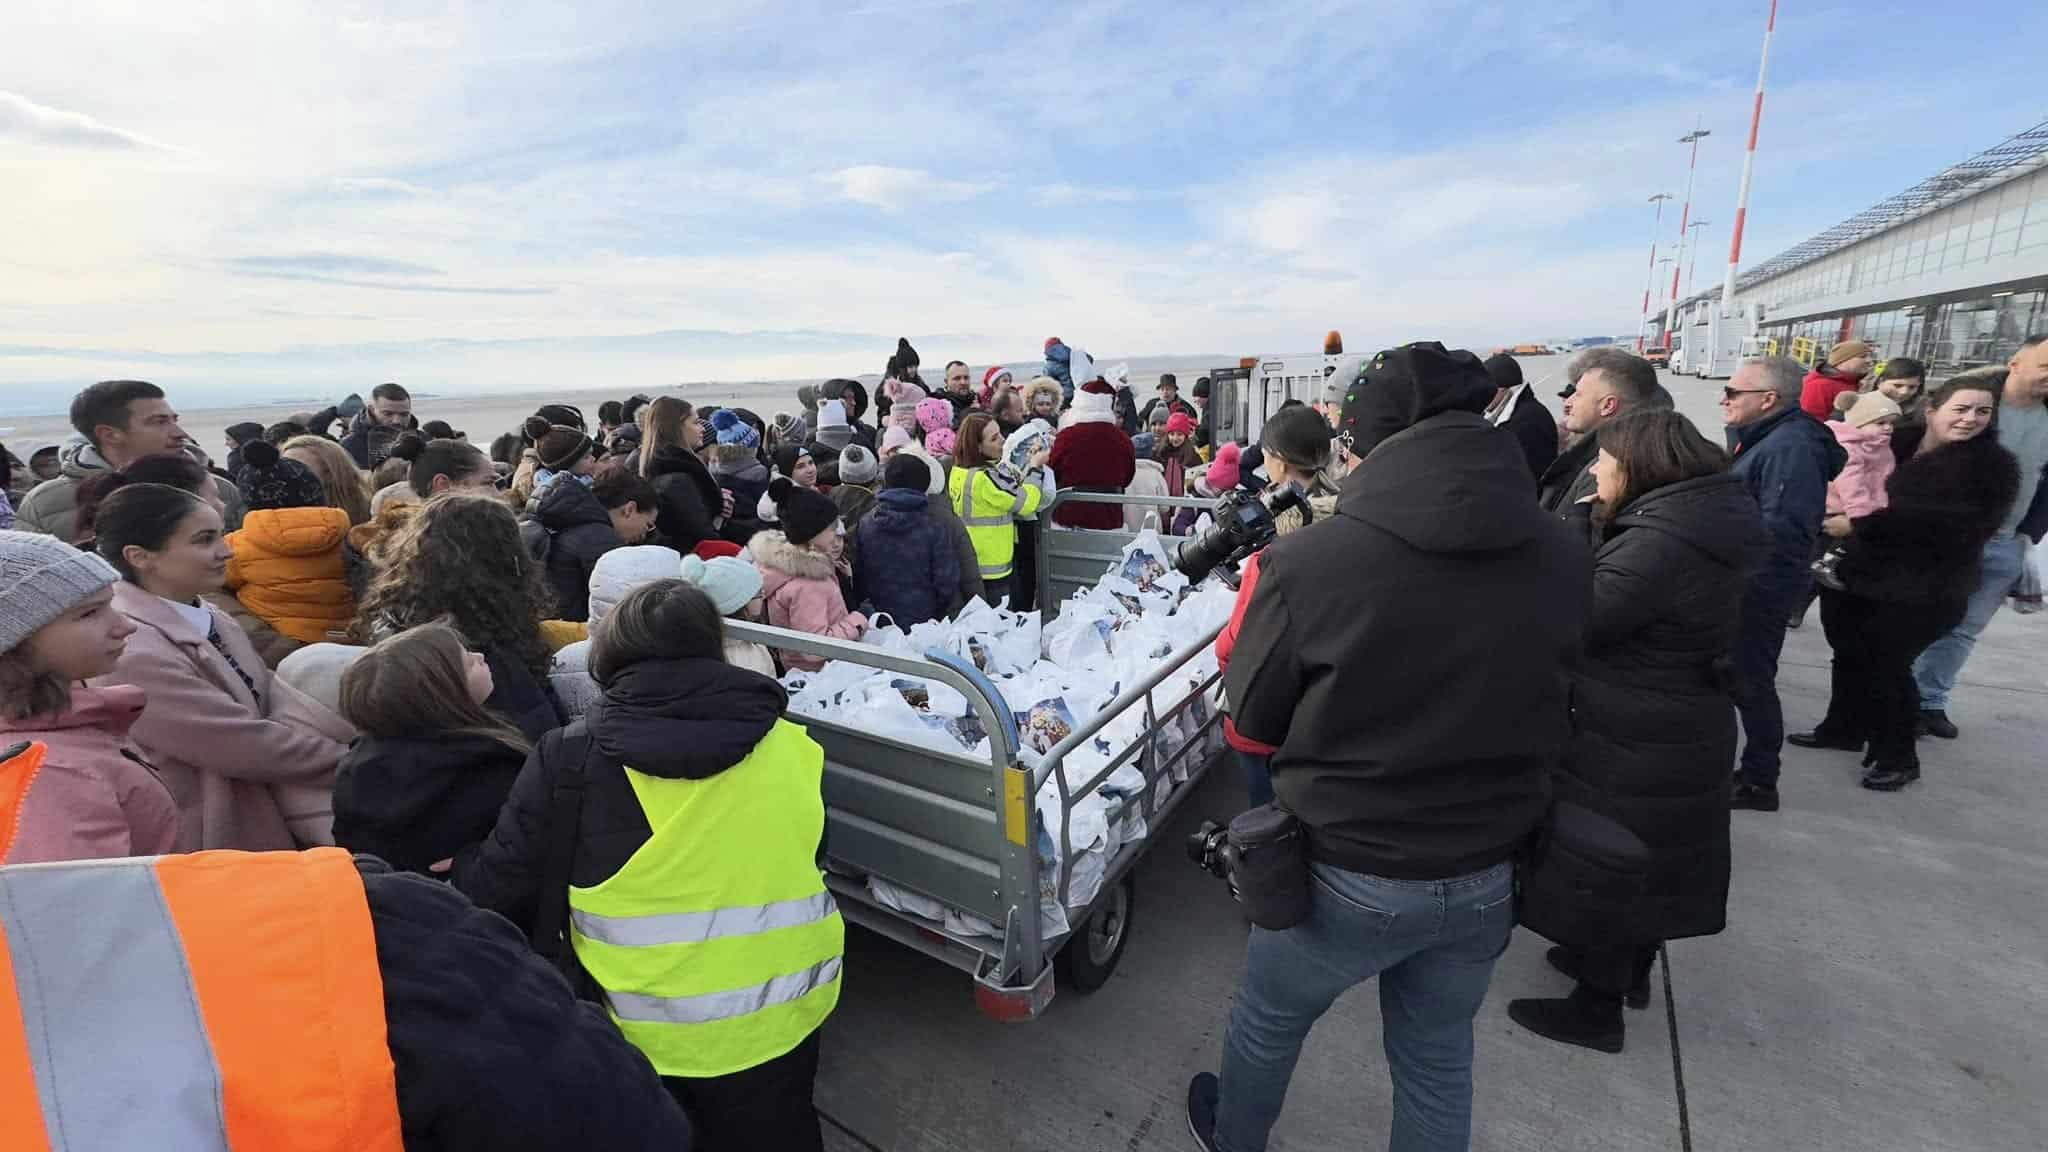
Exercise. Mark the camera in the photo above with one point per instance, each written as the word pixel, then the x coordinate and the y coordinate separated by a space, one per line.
pixel 1210 848
pixel 1243 525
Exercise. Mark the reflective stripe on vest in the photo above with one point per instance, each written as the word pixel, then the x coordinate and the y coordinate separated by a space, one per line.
pixel 717 944
pixel 216 1002
pixel 994 536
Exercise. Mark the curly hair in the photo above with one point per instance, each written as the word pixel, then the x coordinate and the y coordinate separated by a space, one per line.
pixel 460 559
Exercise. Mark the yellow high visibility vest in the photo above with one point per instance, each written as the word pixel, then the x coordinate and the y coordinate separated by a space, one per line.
pixel 990 507
pixel 717 945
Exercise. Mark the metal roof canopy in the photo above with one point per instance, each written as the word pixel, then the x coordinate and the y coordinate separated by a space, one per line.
pixel 1987 169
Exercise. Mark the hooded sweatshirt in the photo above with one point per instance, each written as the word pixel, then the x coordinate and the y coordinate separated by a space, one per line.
pixel 95 797
pixel 414 801
pixel 579 533
pixel 1418 702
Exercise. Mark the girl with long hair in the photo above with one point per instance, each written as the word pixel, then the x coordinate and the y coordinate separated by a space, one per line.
pixel 460 558
pixel 691 509
pixel 989 495
pixel 433 765
pixel 340 479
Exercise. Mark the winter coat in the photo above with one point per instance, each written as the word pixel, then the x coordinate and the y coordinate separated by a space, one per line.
pixel 1569 477
pixel 210 735
pixel 1786 461
pixel 579 532
pixel 748 482
pixel 854 502
pixel 369 444
pixel 519 697
pixel 904 560
pixel 1858 489
pixel 801 588
pixel 415 801
pixel 289 571
pixel 1417 703
pixel 1941 506
pixel 1653 717
pixel 1093 456
pixel 1818 391
pixel 673 719
pixel 1148 478
pixel 489 1045
pixel 1156 405
pixel 569 675
pixel 1533 427
pixel 689 500
pixel 94 797
pixel 940 506
pixel 7 512
pixel 52 506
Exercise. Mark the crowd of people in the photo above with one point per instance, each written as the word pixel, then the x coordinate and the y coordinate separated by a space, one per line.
pixel 504 673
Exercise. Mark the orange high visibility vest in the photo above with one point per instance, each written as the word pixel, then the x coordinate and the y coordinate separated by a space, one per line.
pixel 213 1002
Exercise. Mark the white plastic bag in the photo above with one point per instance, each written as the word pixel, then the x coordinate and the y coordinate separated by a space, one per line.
pixel 2026 595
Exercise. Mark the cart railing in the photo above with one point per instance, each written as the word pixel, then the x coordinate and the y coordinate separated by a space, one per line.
pixel 1073 559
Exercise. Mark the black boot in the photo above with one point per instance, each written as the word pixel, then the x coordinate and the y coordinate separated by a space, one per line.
pixel 1584 1018
pixel 1750 798
pixel 1935 722
pixel 1891 777
pixel 1567 961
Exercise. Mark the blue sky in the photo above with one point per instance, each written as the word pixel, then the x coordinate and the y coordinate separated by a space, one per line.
pixel 263 199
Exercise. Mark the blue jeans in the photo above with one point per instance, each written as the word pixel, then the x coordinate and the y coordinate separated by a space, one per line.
pixel 1767 602
pixel 1432 943
pixel 1936 671
pixel 1258 777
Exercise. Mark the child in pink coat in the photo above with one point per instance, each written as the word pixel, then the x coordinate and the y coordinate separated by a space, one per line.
pixel 1858 489
pixel 804 579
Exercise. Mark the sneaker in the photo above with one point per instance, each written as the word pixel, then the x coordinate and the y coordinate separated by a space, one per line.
pixel 1203 1091
pixel 1573 1019
pixel 1935 722
pixel 1567 961
pixel 1891 779
pixel 1750 798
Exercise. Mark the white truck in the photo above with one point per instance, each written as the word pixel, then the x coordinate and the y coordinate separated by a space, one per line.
pixel 1242 397
pixel 1712 345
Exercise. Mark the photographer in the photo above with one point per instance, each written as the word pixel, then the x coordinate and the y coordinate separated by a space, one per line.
pixel 1295 450
pixel 1405 660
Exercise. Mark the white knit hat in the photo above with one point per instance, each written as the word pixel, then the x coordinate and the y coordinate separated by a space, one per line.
pixel 621 570
pixel 41 578
pixel 730 581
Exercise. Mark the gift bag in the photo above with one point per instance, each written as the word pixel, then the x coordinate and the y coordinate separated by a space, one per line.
pixel 2026 595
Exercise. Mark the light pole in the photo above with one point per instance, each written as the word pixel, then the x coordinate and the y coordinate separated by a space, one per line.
pixel 1661 261
pixel 1692 266
pixel 1650 285
pixel 1756 119
pixel 1685 217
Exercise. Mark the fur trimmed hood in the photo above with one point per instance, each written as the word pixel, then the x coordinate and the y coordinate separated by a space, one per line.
pixel 776 556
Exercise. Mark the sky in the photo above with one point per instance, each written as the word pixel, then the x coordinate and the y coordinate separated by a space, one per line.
pixel 286 198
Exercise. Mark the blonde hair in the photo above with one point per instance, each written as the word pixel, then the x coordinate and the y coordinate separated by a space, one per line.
pixel 417 684
pixel 661 426
pixel 339 476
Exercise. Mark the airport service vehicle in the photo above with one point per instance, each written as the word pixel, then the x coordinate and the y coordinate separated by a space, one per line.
pixel 961 830
pixel 1712 345
pixel 1243 397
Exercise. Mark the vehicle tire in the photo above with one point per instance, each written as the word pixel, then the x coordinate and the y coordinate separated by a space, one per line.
pixel 1092 953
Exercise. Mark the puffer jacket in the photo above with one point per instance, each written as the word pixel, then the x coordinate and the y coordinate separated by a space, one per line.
pixel 801 588
pixel 1653 718
pixel 579 533
pixel 910 571
pixel 688 498
pixel 1858 489
pixel 94 797
pixel 289 570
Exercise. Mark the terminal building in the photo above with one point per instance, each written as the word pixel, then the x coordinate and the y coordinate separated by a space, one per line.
pixel 1953 271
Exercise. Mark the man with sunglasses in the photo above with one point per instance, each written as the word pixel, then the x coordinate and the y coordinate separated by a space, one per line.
pixel 1786 459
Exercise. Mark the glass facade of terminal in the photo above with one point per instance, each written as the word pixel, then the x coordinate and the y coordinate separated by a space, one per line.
pixel 1948 336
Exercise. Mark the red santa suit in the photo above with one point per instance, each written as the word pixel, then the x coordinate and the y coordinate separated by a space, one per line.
pixel 1092 454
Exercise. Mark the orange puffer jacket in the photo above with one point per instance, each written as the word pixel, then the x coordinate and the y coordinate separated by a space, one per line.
pixel 288 569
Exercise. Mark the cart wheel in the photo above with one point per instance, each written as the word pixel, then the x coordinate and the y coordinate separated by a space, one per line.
pixel 1091 955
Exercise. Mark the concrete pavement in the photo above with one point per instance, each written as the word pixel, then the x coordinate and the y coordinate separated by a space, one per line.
pixel 1880 985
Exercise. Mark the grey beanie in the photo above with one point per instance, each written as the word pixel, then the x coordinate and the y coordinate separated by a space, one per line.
pixel 41 578
pixel 857 465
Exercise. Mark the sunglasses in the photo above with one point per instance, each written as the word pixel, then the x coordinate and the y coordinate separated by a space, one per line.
pixel 1732 393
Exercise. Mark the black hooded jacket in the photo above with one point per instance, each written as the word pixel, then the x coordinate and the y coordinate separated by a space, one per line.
pixel 1406 656
pixel 1926 544
pixel 490 1048
pixel 416 801
pixel 676 719
pixel 689 500
pixel 579 532
pixel 1653 720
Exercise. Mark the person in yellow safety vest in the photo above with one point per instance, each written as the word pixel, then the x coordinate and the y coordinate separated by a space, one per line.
pixel 988 494
pixel 292 1002
pixel 681 820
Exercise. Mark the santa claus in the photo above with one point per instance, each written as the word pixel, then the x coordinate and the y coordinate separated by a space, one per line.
pixel 1092 454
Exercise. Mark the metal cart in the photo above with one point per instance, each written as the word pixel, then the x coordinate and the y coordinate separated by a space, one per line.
pixel 961 829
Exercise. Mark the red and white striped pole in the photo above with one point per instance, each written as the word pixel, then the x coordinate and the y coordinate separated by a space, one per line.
pixel 1756 118
pixel 1649 285
pixel 1693 138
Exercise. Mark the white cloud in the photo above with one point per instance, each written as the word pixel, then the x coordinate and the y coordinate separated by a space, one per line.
pixel 894 189
pixel 39 123
pixel 1061 195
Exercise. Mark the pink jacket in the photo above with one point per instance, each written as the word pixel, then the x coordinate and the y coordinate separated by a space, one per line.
pixel 228 763
pixel 94 796
pixel 1858 490
pixel 802 593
